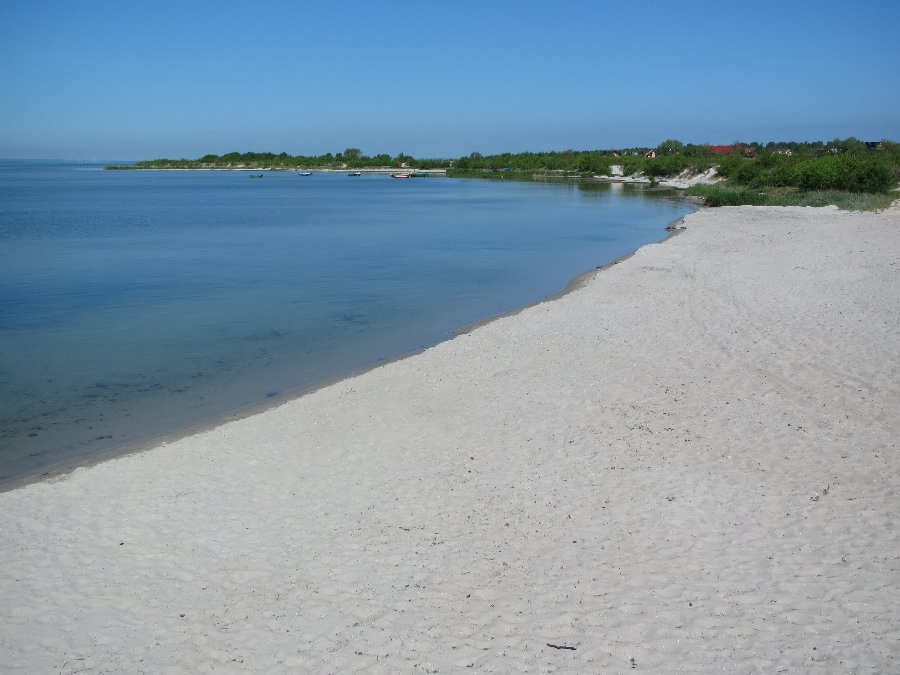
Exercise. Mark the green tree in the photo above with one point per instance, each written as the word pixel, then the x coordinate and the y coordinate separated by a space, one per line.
pixel 670 147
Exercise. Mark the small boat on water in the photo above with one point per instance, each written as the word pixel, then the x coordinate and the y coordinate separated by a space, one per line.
pixel 256 175
pixel 304 173
pixel 355 173
pixel 412 174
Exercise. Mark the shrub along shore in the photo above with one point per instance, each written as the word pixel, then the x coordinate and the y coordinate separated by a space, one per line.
pixel 849 173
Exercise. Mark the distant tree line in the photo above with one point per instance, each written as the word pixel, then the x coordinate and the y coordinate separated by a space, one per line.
pixel 351 158
pixel 848 165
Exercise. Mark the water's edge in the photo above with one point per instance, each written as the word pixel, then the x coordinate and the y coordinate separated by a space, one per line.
pixel 58 472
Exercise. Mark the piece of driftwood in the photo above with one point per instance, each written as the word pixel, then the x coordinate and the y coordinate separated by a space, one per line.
pixel 550 644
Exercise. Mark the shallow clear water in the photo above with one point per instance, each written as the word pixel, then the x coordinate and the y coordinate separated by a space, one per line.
pixel 138 303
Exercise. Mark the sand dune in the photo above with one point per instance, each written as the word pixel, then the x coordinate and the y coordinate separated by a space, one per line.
pixel 689 464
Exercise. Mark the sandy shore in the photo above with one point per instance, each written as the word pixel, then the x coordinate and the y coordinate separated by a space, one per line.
pixel 682 181
pixel 689 464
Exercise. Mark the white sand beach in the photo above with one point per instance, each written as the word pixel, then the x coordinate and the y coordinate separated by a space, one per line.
pixel 689 464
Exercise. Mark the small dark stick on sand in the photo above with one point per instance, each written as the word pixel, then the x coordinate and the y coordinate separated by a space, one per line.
pixel 550 644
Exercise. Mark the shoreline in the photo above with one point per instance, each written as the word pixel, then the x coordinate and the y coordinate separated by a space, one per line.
pixel 688 462
pixel 155 440
pixel 277 169
pixel 579 281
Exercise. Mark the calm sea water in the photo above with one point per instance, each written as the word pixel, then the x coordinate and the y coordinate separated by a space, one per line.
pixel 134 304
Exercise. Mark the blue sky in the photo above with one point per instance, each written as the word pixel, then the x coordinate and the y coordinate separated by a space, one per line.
pixel 99 79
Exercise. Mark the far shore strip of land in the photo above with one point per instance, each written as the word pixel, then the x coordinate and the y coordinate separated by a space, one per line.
pixel 680 182
pixel 282 169
pixel 688 463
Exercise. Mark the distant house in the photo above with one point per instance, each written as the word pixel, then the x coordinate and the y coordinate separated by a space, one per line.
pixel 729 149
pixel 650 154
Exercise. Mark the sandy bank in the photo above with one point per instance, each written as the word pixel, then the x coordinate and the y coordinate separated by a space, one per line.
pixel 682 181
pixel 690 461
